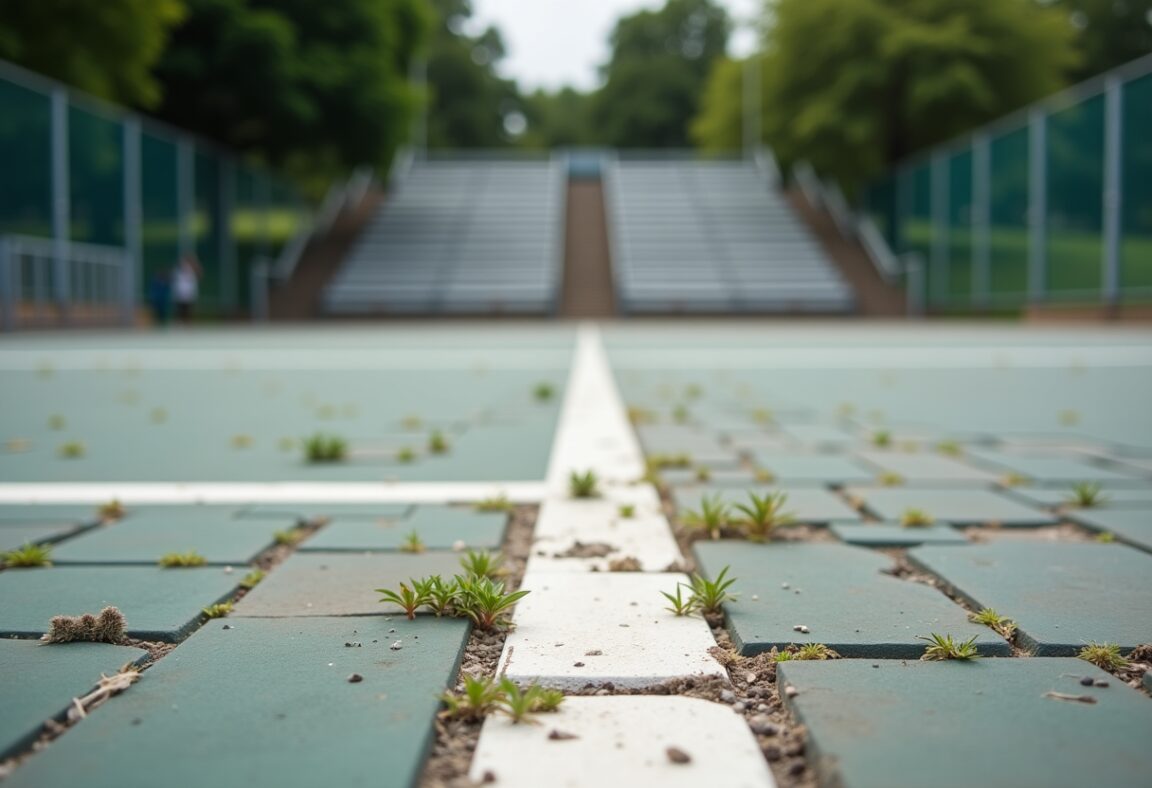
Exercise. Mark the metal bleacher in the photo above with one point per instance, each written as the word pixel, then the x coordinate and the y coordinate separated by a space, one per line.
pixel 712 237
pixel 460 236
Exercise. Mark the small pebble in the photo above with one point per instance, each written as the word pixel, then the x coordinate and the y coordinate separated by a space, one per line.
pixel 352 644
pixel 772 753
pixel 1087 681
pixel 796 768
pixel 739 708
pixel 750 678
pixel 762 707
pixel 577 664
pixel 1101 683
pixel 791 691
pixel 397 645
pixel 762 725
pixel 727 696
pixel 677 755
pixel 594 653
pixel 755 597
pixel 355 678
pixel 785 586
pixel 557 735
pixel 226 626
pixel 801 628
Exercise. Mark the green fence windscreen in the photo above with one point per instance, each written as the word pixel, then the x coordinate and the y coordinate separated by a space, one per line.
pixel 25 161
pixel 1075 210
pixel 1136 193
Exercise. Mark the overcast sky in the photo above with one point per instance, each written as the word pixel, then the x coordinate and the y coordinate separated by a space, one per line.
pixel 561 42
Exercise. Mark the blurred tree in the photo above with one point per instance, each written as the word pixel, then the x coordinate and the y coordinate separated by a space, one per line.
pixel 557 120
pixel 657 73
pixel 105 48
pixel 314 87
pixel 855 85
pixel 470 105
pixel 720 125
pixel 1109 32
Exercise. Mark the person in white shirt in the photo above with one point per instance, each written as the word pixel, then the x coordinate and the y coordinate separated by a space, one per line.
pixel 186 286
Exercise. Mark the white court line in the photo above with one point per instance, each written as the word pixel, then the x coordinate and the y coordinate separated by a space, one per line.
pixel 884 358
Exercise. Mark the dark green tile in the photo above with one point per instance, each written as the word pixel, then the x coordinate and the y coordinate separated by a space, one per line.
pixel 797 468
pixel 840 593
pixel 927 468
pixel 268 702
pixel 57 514
pixel 335 584
pixel 439 527
pixel 159 604
pixel 1133 526
pixel 895 534
pixel 13 536
pixel 1112 497
pixel 327 511
pixel 1050 470
pixel 956 725
pixel 959 507
pixel 1061 595
pixel 806 505
pixel 39 681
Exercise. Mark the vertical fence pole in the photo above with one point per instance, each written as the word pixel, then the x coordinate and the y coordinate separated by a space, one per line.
pixel 981 220
pixel 226 234
pixel 131 273
pixel 186 196
pixel 938 210
pixel 61 204
pixel 8 296
pixel 1113 196
pixel 1037 206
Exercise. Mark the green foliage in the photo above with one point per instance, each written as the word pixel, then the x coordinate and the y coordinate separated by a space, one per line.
pixel 890 479
pixel 544 391
pixel 412 543
pixel 1108 33
pixel 479 699
pixel 72 450
pixel 320 448
pixel 1087 495
pixel 626 511
pixel 942 647
pixel 584 485
pixel 437 443
pixel 679 605
pixel 30 555
pixel 406 454
pixel 714 514
pixel 182 560
pixel 654 79
pixel 252 579
pixel 407 598
pixel 709 595
pixel 558 120
pixel 1103 655
pixel 441 595
pixel 949 448
pixel 916 518
pixel 218 610
pixel 815 651
pixel 498 503
pixel 661 461
pixel 105 48
pixel 763 514
pixel 485 602
pixel 907 74
pixel 113 510
pixel 881 439
pixel 478 563
pixel 289 537
pixel 998 623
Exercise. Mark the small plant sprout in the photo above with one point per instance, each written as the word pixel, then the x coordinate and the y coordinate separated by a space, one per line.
pixel 72 450
pixel 437 443
pixel 408 598
pixel 703 473
pixel 890 479
pixel 1105 537
pixel 441 595
pixel 485 602
pixel 241 441
pixel 998 623
pixel 107 627
pixel 544 391
pixel 639 415
pixel 815 651
pixel 881 439
pixel 521 704
pixel 678 604
pixel 406 454
pixel 56 422
pixel 662 461
pixel 681 414
pixel 482 564
pixel 113 510
pixel 711 594
pixel 182 560
pixel 584 485
pixel 1068 417
pixel 218 610
pixel 27 557
pixel 1086 495
pixel 289 537
pixel 763 416
pixel 916 518
pixel 1103 655
pixel 324 448
pixel 626 511
pixel 712 517
pixel 942 647
pixel 252 579
pixel 412 543
pixel 497 503
pixel 1014 480
pixel 411 422
pixel 548 700
pixel 158 415
pixel 764 476
pixel 478 699
pixel 763 514
pixel 949 448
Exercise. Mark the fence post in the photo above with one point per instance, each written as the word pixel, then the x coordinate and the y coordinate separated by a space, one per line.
pixel 8 296
pixel 61 205
pixel 226 239
pixel 981 219
pixel 938 211
pixel 1037 206
pixel 1113 197
pixel 131 272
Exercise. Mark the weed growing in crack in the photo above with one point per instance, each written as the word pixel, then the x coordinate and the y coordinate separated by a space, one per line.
pixel 882 439
pixel 412 543
pixel 1086 495
pixel 497 503
pixel 405 455
pixel 764 476
pixel 324 448
pixel 113 510
pixel 681 414
pixel 942 647
pixel 998 623
pixel 679 605
pixel 437 443
pixel 479 699
pixel 703 474
pixel 218 610
pixel 710 595
pixel 543 392
pixel 72 450
pixel 814 651
pixel 483 564
pixel 241 441
pixel 762 515
pixel 56 422
pixel 408 598
pixel 949 448
pixel 289 537
pixel 27 557
pixel 713 516
pixel 1015 480
pixel 916 518
pixel 1103 655
pixel 252 579
pixel 548 700
pixel 626 511
pixel 664 461
pixel 107 627
pixel 890 479
pixel 483 696
pixel 584 485
pixel 1105 537
pixel 182 560
pixel 517 703
pixel 441 595
pixel 486 602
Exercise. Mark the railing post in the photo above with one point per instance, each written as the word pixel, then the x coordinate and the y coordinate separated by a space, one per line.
pixel 131 271
pixel 1037 206
pixel 8 296
pixel 61 205
pixel 1113 197
pixel 981 220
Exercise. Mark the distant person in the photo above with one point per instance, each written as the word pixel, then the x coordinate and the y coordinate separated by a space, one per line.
pixel 160 297
pixel 186 286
